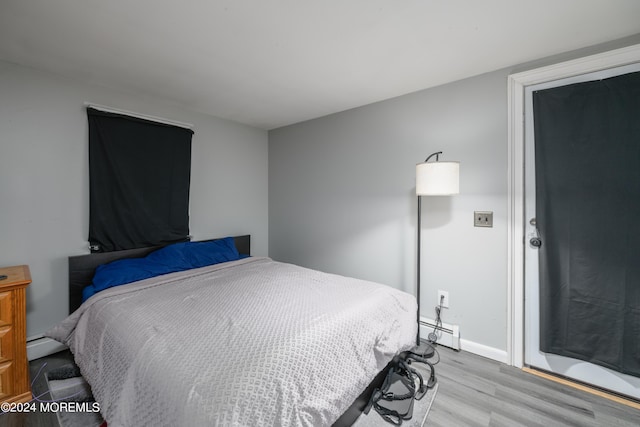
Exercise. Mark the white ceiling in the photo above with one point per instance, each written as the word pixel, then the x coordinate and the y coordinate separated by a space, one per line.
pixel 270 63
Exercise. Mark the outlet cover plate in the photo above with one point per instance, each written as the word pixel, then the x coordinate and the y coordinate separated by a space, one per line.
pixel 483 219
pixel 444 295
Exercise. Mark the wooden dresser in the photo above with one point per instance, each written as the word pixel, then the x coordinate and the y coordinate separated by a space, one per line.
pixel 14 367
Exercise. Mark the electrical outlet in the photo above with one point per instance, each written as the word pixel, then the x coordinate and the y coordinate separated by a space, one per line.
pixel 483 219
pixel 443 297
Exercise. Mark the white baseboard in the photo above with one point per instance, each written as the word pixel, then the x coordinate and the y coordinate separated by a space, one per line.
pixel 41 347
pixel 483 350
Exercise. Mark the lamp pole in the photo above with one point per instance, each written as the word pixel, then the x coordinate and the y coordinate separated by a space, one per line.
pixel 418 266
pixel 419 261
pixel 432 179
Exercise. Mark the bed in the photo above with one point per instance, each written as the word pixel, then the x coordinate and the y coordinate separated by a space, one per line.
pixel 245 342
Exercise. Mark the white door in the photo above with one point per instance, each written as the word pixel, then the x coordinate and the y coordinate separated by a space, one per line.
pixel 568 367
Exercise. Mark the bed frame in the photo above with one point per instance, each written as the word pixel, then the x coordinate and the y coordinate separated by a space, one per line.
pixel 83 267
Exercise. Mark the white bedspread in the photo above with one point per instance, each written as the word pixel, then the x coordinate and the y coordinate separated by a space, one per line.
pixel 250 343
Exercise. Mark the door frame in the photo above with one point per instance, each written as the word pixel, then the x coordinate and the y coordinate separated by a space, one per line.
pixel 516 84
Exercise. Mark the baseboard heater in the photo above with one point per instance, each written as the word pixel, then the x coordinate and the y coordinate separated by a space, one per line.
pixel 448 335
pixel 39 346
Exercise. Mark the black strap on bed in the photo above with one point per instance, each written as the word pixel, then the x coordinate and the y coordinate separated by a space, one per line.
pixel 394 400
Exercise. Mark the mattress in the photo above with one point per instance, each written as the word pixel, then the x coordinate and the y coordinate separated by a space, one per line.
pixel 244 343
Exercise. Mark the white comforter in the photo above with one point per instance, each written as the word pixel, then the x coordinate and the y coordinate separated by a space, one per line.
pixel 248 343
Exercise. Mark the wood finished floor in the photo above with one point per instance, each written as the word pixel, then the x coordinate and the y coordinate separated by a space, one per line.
pixel 473 391
pixel 37 370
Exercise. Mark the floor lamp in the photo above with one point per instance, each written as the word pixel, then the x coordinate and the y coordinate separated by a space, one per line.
pixel 432 179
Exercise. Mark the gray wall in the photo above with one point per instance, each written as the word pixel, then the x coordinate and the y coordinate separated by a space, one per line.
pixel 44 193
pixel 342 196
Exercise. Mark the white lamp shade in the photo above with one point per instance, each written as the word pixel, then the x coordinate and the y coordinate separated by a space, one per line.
pixel 437 178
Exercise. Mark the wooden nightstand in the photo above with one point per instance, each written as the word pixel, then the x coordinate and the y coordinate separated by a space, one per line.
pixel 14 367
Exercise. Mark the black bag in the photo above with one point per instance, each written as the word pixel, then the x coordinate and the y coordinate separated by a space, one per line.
pixel 394 400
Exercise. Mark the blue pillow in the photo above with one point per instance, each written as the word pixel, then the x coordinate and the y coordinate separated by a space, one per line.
pixel 195 254
pixel 172 258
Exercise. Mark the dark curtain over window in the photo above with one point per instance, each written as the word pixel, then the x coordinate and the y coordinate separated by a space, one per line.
pixel 139 175
pixel 587 139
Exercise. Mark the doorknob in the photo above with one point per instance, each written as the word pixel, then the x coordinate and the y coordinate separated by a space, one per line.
pixel 536 241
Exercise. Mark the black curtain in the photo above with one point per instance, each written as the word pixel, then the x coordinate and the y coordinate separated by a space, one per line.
pixel 587 155
pixel 139 173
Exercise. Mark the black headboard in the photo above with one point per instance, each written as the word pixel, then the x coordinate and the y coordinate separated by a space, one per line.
pixel 83 267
